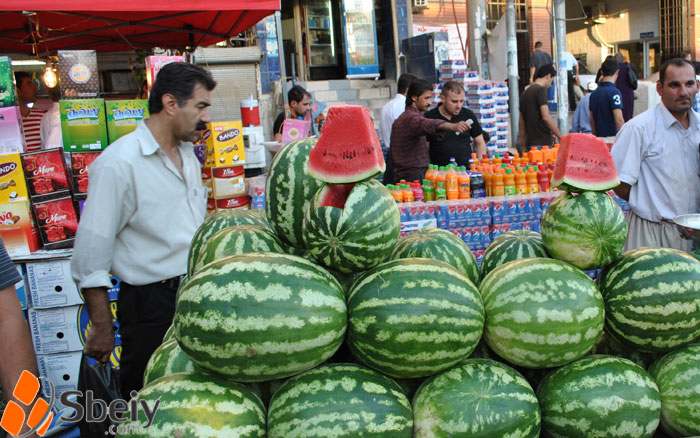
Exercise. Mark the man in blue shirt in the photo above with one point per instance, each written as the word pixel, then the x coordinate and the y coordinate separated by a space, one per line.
pixel 582 116
pixel 606 103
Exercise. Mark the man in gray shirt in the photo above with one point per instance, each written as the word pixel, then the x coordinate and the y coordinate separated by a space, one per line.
pixel 538 59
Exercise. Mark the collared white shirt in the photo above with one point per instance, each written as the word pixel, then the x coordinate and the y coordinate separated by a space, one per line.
pixel 659 158
pixel 140 213
pixel 50 121
pixel 569 61
pixel 390 112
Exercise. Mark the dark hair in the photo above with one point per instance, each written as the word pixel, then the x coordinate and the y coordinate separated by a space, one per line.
pixel 678 62
pixel 453 86
pixel 297 93
pixel 178 79
pixel 404 82
pixel 544 70
pixel 538 44
pixel 416 89
pixel 20 76
pixel 609 67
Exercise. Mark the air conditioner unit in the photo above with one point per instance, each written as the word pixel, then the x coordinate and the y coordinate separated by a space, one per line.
pixel 420 3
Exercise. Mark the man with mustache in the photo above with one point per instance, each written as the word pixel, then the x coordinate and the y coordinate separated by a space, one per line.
pixel 145 202
pixel 657 159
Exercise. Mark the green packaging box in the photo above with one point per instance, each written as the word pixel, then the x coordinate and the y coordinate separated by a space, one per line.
pixel 83 125
pixel 8 95
pixel 124 115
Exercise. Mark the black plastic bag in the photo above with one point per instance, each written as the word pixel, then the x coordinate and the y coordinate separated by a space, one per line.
pixel 103 381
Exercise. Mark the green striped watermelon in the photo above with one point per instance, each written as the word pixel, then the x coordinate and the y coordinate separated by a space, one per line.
pixel 541 313
pixel 599 397
pixel 513 245
pixel 238 240
pixel 167 359
pixel 479 398
pixel 289 190
pixel 441 245
pixel 170 334
pixel 216 222
pixel 612 347
pixel 260 316
pixel 197 405
pixel 678 376
pixel 340 401
pixel 652 299
pixel 413 317
pixel 587 230
pixel 356 237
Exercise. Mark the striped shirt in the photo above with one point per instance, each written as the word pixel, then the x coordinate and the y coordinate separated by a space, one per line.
pixel 32 129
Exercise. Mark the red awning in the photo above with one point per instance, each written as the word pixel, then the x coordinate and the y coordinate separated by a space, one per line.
pixel 111 25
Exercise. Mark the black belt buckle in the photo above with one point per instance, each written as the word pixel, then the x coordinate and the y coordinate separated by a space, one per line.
pixel 172 283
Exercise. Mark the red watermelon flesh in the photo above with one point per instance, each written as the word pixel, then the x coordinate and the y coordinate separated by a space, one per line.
pixel 348 149
pixel 584 163
pixel 335 195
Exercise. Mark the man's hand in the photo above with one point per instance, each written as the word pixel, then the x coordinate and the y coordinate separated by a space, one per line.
pixel 459 127
pixel 100 342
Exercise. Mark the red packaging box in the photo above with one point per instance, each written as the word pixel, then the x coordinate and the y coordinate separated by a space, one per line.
pixel 17 228
pixel 79 164
pixel 46 174
pixel 235 202
pixel 57 222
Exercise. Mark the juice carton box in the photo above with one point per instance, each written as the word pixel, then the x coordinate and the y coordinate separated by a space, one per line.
pixel 57 222
pixel 123 116
pixel 77 71
pixel 46 174
pixel 155 63
pixel 13 185
pixel 17 228
pixel 80 163
pixel 11 137
pixel 225 146
pixel 228 182
pixel 8 94
pixel 83 125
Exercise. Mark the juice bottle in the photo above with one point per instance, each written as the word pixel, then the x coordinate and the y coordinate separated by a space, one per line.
pixel 485 159
pixel 429 173
pixel 440 177
pixel 521 182
pixel 497 186
pixel 452 180
pixel 487 175
pixel 509 183
pixel 428 191
pixel 474 159
pixel 516 159
pixel 550 170
pixel 464 187
pixel 497 160
pixel 543 178
pixel 418 194
pixel 407 193
pixel 532 185
pixel 440 194
pixel 506 159
pixel 536 156
pixel 396 193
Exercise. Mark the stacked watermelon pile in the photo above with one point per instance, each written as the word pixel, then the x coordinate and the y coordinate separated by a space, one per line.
pixel 316 321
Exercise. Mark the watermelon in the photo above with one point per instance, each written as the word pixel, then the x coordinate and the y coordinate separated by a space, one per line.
pixel 170 333
pixel 584 163
pixel 587 230
pixel 167 359
pixel 260 316
pixel 238 240
pixel 216 222
pixel 412 318
pixel 678 376
pixel 438 244
pixel 610 346
pixel 652 299
pixel 289 190
pixel 480 398
pixel 599 397
pixel 351 228
pixel 513 245
pixel 340 401
pixel 348 149
pixel 541 313
pixel 197 405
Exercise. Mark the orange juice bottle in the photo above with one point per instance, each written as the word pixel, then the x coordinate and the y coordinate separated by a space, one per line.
pixel 516 159
pixel 536 156
pixel 521 182
pixel 497 185
pixel 532 184
pixel 507 159
pixel 497 160
pixel 509 183
pixel 464 183
pixel 452 180
pixel 485 159
pixel 396 193
pixel 474 159
pixel 407 193
pixel 429 173
pixel 488 179
pixel 440 177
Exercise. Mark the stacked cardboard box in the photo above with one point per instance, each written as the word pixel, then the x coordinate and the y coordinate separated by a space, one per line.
pixel 223 170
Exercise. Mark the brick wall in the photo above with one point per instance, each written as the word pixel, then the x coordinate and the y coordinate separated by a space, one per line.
pixel 539 25
pixel 694 25
pixel 440 13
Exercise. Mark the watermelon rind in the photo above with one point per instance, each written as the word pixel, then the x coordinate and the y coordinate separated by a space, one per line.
pixel 587 230
pixel 541 313
pixel 652 299
pixel 340 401
pixel 260 316
pixel 599 397
pixel 677 375
pixel 413 318
pixel 513 245
pixel 167 359
pixel 479 398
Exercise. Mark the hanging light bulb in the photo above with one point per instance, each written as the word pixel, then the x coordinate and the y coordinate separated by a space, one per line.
pixel 50 78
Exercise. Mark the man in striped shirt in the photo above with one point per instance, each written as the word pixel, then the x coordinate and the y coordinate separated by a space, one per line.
pixel 31 118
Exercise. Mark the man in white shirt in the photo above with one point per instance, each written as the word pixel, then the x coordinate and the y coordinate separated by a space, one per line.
pixel 390 112
pixel 657 158
pixel 145 202
pixel 50 130
pixel 571 65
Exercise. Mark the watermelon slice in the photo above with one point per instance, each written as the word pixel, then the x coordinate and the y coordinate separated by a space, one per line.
pixel 348 149
pixel 584 163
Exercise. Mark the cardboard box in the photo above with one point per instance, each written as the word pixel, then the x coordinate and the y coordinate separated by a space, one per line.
pixel 46 174
pixel 8 93
pixel 55 330
pixel 123 116
pixel 229 203
pixel 21 288
pixel 80 163
pixel 77 73
pixel 51 285
pixel 228 182
pixel 206 180
pixel 225 146
pixel 57 222
pixel 83 125
pixel 62 370
pixel 18 230
pixel 113 292
pixel 155 63
pixel 11 135
pixel 13 186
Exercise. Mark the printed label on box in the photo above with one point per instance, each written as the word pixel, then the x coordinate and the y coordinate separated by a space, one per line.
pixel 77 72
pixel 51 284
pixel 80 163
pixel 55 330
pixel 228 182
pixel 62 370
pixel 21 288
pixel 235 202
pixel 17 228
pixel 11 136
pixel 225 146
pixel 155 63
pixel 57 222
pixel 8 95
pixel 123 116
pixel 46 174
pixel 83 125
pixel 13 186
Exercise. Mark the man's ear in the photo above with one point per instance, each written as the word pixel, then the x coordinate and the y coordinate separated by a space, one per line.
pixel 170 104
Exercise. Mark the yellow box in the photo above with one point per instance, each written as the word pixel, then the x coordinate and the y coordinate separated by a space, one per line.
pixel 225 145
pixel 13 185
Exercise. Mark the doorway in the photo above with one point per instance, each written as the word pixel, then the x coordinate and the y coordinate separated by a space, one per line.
pixel 643 55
